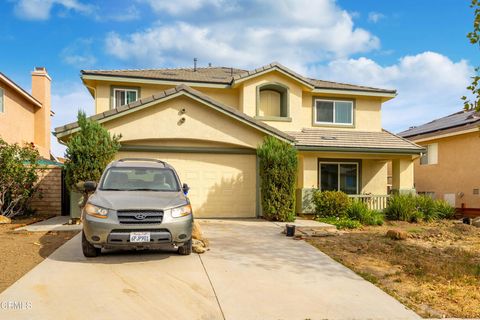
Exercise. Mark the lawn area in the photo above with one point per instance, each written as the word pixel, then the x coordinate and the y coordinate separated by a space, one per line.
pixel 20 251
pixel 435 272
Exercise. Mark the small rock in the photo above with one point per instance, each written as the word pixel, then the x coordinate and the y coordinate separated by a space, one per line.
pixel 476 222
pixel 397 234
pixel 5 220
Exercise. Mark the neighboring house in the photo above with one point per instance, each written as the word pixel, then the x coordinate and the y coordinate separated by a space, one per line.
pixel 449 169
pixel 25 117
pixel 208 122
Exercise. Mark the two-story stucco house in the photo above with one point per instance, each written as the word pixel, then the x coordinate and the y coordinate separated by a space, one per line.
pixel 25 117
pixel 449 168
pixel 208 122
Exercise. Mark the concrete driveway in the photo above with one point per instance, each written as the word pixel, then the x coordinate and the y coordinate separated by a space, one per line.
pixel 251 272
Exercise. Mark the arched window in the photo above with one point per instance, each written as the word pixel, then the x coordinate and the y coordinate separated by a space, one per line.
pixel 272 101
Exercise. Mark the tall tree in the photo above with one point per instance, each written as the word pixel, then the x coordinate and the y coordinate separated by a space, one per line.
pixel 474 37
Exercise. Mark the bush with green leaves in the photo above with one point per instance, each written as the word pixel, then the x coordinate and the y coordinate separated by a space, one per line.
pixel 426 206
pixel 444 210
pixel 341 223
pixel 18 176
pixel 88 152
pixel 278 177
pixel 331 204
pixel 359 211
pixel 403 207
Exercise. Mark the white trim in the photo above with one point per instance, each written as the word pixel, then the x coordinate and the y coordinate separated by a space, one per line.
pixel 355 93
pixel 338 181
pixel 153 81
pixel 332 123
pixel 123 89
pixel 21 91
pixel 446 135
pixel 256 74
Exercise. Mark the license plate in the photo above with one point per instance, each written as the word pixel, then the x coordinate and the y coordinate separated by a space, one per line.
pixel 139 236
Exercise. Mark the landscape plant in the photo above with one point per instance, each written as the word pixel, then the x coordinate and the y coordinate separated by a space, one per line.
pixel 278 176
pixel 331 204
pixel 88 152
pixel 19 173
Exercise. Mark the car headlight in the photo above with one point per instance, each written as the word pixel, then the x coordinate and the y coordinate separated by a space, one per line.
pixel 95 211
pixel 181 211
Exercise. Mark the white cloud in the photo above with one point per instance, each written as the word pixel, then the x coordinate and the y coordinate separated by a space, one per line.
pixel 429 85
pixel 256 32
pixel 374 17
pixel 67 99
pixel 40 9
pixel 79 54
pixel 183 7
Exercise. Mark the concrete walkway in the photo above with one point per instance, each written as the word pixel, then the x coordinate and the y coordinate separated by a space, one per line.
pixel 58 223
pixel 251 272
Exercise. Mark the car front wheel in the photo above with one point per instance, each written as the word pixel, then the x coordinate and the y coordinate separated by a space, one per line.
pixel 186 248
pixel 88 249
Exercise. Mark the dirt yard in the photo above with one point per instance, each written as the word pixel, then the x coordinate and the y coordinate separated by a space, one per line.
pixel 20 251
pixel 435 272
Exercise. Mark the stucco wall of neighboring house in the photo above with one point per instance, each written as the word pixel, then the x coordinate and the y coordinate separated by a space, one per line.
pixel 103 93
pixel 163 121
pixel 17 122
pixel 456 172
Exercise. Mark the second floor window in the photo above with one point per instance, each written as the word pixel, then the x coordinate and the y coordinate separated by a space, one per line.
pixel 333 112
pixel 122 96
pixel 431 156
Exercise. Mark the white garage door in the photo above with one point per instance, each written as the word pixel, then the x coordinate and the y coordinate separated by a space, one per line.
pixel 221 185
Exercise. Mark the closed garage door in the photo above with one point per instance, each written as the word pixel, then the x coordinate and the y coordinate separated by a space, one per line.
pixel 221 185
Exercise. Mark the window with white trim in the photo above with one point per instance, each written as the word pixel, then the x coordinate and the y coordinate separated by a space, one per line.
pixel 333 112
pixel 431 155
pixel 338 176
pixel 2 101
pixel 123 96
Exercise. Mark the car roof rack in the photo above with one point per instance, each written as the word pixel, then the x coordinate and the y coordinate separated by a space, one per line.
pixel 142 159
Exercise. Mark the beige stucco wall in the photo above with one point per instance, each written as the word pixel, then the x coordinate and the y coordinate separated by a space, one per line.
pixel 17 122
pixel 162 121
pixel 457 170
pixel 103 93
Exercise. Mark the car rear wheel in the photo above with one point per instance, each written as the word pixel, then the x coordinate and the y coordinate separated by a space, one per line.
pixel 88 249
pixel 186 249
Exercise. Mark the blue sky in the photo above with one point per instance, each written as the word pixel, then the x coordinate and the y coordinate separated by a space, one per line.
pixel 417 47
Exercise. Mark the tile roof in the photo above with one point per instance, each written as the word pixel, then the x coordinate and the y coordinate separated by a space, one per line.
pixel 225 75
pixel 382 141
pixel 457 120
pixel 181 88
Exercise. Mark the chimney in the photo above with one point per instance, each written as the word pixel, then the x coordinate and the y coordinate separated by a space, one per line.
pixel 41 91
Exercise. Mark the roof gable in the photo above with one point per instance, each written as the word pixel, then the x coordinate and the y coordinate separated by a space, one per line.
pixel 20 90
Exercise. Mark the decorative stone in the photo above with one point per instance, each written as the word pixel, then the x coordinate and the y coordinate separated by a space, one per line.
pixel 5 220
pixel 397 234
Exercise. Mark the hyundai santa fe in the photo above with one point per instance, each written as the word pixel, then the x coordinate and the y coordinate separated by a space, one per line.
pixel 138 204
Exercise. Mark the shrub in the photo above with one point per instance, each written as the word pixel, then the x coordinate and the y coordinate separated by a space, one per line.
pixel 426 206
pixel 403 207
pixel 88 152
pixel 278 176
pixel 360 212
pixel 341 223
pixel 444 210
pixel 331 204
pixel 18 175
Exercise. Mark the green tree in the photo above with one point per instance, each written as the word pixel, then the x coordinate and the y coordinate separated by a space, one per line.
pixel 88 152
pixel 18 175
pixel 474 37
pixel 278 175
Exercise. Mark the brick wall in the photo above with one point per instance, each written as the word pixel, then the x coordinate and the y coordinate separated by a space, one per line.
pixel 49 200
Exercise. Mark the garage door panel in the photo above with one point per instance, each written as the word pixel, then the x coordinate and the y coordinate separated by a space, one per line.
pixel 221 185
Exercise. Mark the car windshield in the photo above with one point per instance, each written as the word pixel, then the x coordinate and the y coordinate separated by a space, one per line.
pixel 137 179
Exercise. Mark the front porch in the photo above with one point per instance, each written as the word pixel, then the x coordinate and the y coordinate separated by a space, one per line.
pixel 363 176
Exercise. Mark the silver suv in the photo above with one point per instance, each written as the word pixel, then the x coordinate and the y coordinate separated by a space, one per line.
pixel 138 204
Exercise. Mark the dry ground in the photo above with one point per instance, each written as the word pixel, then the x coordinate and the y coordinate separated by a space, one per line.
pixel 435 272
pixel 20 251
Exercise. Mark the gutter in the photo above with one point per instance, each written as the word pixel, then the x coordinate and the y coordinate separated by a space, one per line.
pixel 361 150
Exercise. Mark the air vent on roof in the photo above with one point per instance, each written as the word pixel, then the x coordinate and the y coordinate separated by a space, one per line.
pixel 169 73
pixel 217 77
pixel 328 138
pixel 412 127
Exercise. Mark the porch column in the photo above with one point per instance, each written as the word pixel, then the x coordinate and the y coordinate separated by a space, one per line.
pixel 307 180
pixel 402 176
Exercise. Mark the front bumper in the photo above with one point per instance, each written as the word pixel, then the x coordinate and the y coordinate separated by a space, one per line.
pixel 110 233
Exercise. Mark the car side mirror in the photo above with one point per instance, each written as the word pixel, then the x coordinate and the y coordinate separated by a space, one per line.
pixel 185 188
pixel 90 186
